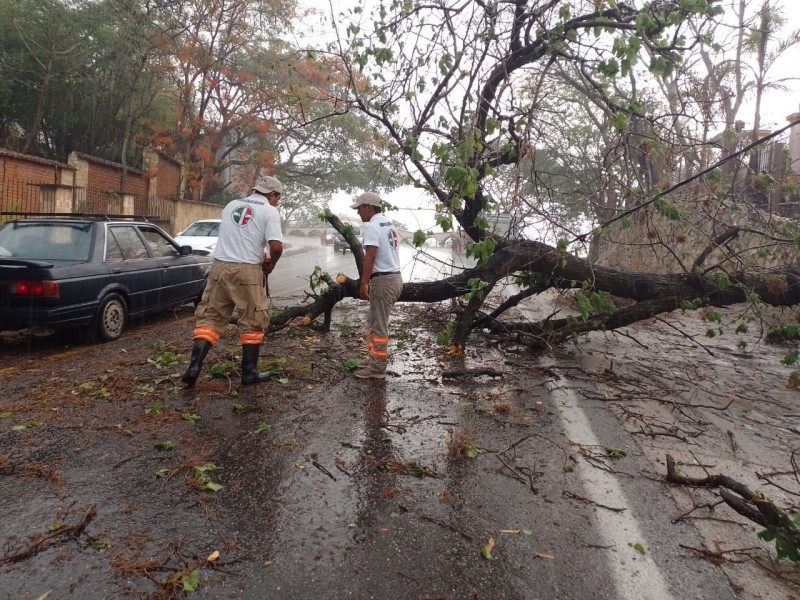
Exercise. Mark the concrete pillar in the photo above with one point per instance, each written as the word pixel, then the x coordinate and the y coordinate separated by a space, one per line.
pixel 64 200
pixel 128 204
pixel 794 142
pixel 81 167
pixel 150 165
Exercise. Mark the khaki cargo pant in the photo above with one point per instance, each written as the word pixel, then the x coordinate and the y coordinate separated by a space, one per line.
pixel 383 293
pixel 233 286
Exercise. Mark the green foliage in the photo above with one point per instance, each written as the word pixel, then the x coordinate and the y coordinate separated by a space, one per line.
pixel 419 238
pixel 527 279
pixel 784 547
pixel 668 209
pixel 190 582
pixel 444 337
pixel 223 370
pixel 722 281
pixel 477 288
pixel 692 304
pixel 481 251
pixel 462 180
pixel 204 480
pixel 350 365
pixel 620 122
pixel 590 301
pixel 444 221
pixel 164 360
pixel 791 358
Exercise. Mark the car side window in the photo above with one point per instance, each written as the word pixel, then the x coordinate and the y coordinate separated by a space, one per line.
pixel 129 242
pixel 113 251
pixel 159 245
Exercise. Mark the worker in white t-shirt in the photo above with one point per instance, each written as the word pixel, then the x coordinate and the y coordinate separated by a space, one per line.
pixel 237 279
pixel 381 282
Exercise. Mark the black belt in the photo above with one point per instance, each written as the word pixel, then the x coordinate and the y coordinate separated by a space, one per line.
pixel 381 274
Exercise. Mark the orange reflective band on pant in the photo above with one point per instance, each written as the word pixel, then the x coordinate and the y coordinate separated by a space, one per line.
pixel 207 334
pixel 251 338
pixel 379 346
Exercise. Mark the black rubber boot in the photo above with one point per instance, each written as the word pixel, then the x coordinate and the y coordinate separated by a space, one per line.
pixel 200 349
pixel 250 374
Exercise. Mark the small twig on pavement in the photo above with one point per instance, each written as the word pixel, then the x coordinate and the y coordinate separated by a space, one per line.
pixel 684 334
pixel 734 445
pixel 323 469
pixel 447 526
pixel 43 542
pixel 719 556
pixel 574 496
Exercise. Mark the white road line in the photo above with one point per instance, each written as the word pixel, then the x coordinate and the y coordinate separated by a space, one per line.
pixel 636 576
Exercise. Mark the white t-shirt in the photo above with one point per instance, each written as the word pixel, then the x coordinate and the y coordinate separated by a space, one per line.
pixel 248 225
pixel 381 233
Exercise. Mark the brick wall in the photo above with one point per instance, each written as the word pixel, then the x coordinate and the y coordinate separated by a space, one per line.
pixel 27 168
pixel 106 176
pixel 27 183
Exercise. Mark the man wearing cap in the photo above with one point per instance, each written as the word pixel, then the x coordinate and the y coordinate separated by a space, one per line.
pixel 381 282
pixel 236 280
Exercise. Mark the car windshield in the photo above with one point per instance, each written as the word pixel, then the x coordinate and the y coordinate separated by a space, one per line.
pixel 46 241
pixel 202 229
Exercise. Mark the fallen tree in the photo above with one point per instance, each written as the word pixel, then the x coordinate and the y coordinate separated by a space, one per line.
pixel 649 294
pixel 465 92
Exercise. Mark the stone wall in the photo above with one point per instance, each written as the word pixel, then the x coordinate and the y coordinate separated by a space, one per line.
pixel 187 212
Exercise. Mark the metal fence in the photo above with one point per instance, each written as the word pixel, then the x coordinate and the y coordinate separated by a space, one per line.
pixel 32 197
pixel 17 195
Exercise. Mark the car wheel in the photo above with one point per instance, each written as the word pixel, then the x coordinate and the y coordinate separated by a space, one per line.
pixel 112 317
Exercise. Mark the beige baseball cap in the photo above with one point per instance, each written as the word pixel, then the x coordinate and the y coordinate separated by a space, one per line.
pixel 370 198
pixel 268 184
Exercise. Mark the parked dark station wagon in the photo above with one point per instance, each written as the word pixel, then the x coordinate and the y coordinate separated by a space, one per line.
pixel 92 271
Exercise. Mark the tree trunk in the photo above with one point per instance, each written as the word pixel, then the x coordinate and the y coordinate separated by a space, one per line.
pixel 652 294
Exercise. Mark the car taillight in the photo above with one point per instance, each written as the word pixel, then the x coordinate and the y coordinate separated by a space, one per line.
pixel 43 289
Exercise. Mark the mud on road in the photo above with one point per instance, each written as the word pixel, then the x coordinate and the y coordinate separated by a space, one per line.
pixel 116 482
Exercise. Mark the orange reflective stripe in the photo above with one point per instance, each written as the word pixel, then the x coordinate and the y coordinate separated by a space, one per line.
pixel 379 353
pixel 207 334
pixel 379 340
pixel 251 338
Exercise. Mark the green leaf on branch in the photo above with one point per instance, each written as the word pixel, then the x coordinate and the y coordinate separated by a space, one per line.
pixel 620 122
pixel 482 250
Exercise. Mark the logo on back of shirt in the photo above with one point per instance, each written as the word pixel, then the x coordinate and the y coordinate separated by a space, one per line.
pixel 243 215
pixel 393 239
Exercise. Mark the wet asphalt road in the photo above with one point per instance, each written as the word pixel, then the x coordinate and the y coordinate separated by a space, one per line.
pixel 358 491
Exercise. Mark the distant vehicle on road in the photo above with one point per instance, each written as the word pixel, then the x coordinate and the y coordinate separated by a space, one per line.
pixel 341 244
pixel 328 236
pixel 92 271
pixel 202 236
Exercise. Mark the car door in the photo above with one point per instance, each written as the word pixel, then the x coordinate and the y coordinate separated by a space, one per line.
pixel 182 278
pixel 132 266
